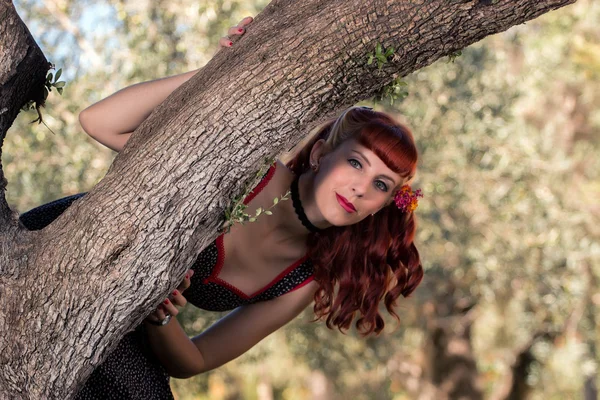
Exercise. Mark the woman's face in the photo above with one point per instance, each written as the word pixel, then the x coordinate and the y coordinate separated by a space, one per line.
pixel 354 174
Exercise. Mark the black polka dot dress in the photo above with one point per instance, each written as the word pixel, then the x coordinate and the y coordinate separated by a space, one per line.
pixel 131 371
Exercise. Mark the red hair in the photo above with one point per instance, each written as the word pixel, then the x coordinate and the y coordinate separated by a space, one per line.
pixel 376 258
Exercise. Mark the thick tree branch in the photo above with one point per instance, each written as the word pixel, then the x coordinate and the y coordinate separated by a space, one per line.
pixel 23 70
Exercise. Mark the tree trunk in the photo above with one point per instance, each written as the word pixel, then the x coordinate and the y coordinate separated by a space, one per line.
pixel 450 363
pixel 514 386
pixel 69 292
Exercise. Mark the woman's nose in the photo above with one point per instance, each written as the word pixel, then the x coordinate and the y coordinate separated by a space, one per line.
pixel 359 189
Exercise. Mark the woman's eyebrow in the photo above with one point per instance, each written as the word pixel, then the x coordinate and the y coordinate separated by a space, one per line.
pixel 369 162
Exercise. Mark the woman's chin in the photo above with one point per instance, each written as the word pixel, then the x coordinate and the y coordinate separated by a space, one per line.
pixel 338 216
pixel 343 219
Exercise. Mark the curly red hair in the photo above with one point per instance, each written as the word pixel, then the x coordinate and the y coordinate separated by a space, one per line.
pixel 376 258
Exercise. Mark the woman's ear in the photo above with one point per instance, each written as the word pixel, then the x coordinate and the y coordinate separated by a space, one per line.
pixel 318 150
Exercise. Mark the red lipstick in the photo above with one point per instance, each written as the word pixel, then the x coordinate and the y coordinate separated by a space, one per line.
pixel 345 203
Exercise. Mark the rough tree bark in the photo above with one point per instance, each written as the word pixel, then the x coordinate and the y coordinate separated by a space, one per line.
pixel 68 293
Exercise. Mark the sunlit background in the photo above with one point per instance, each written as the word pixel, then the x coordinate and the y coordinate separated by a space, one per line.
pixel 509 225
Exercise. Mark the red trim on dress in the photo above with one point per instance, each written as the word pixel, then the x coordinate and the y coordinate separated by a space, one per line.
pixel 281 275
pixel 214 276
pixel 261 184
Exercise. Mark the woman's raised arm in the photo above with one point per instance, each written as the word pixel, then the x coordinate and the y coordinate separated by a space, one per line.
pixel 112 120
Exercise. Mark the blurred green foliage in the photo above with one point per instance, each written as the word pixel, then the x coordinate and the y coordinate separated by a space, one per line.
pixel 509 166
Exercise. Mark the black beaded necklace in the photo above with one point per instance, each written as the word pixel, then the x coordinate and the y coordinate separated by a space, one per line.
pixel 299 209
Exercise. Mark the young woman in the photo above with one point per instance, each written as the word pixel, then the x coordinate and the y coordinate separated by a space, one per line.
pixel 345 241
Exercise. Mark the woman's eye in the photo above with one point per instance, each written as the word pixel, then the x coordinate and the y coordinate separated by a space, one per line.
pixel 356 161
pixel 383 186
pixel 380 184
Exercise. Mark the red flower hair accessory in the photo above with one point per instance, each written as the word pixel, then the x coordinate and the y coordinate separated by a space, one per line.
pixel 406 199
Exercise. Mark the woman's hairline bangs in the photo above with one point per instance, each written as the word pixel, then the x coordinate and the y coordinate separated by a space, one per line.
pixel 389 147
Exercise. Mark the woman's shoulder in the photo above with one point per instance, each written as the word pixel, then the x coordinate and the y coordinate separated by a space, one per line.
pixel 283 173
pixel 277 178
pixel 281 166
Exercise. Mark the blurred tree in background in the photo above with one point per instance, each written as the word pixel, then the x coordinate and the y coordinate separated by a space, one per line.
pixel 508 228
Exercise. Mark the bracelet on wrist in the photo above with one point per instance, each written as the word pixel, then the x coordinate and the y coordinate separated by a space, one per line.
pixel 162 322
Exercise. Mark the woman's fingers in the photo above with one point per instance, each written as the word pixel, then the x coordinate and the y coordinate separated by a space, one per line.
pixel 235 30
pixel 178 299
pixel 185 283
pixel 239 30
pixel 225 42
pixel 245 22
pixel 158 314
pixel 169 307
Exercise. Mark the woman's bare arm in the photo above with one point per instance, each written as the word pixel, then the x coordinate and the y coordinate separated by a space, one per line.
pixel 229 337
pixel 112 120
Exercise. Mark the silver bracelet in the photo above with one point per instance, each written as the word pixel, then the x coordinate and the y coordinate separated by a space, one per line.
pixel 161 322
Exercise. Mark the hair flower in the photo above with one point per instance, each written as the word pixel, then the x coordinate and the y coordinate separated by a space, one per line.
pixel 406 199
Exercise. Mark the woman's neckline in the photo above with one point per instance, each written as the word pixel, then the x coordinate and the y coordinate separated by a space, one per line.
pixel 221 260
pixel 214 276
pixel 264 182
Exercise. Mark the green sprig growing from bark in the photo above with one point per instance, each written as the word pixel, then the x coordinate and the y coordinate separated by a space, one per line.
pixel 452 56
pixel 237 212
pixel 381 55
pixel 51 82
pixel 396 90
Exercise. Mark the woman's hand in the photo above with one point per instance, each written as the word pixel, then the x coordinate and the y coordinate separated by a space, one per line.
pixel 175 299
pixel 239 29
